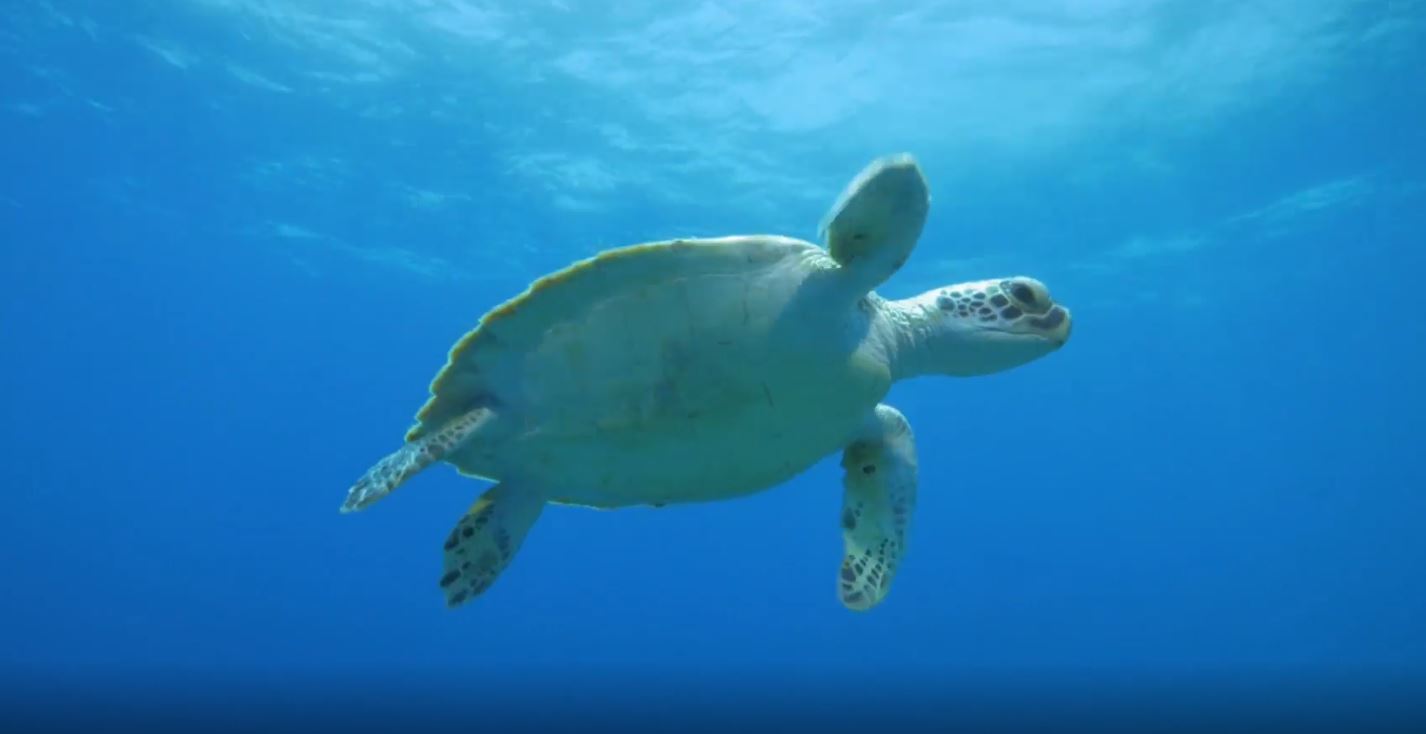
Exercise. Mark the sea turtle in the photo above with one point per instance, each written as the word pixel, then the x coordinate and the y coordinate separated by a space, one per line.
pixel 706 369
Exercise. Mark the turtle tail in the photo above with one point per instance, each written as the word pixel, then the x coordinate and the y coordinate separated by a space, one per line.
pixel 409 460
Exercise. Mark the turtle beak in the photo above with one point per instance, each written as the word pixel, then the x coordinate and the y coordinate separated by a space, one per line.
pixel 1055 325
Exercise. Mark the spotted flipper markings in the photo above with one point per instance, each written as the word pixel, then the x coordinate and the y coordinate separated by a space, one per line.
pixel 879 494
pixel 407 461
pixel 485 540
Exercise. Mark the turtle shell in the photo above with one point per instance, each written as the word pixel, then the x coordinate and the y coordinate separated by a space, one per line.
pixel 609 318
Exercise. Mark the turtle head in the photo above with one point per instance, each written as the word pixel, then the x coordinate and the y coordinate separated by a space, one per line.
pixel 984 326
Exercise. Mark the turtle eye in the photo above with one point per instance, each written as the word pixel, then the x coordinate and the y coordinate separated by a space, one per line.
pixel 1023 293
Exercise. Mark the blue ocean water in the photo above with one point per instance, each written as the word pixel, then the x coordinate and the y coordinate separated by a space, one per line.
pixel 237 238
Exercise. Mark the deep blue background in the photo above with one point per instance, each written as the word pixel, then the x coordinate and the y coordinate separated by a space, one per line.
pixel 1220 475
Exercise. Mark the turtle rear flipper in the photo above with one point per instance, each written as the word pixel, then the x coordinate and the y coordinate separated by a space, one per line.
pixel 486 538
pixel 408 461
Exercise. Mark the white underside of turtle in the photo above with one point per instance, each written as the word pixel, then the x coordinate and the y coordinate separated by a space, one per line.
pixel 696 370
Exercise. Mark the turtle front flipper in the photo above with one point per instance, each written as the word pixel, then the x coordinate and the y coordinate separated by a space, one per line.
pixel 873 226
pixel 486 538
pixel 410 459
pixel 878 497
